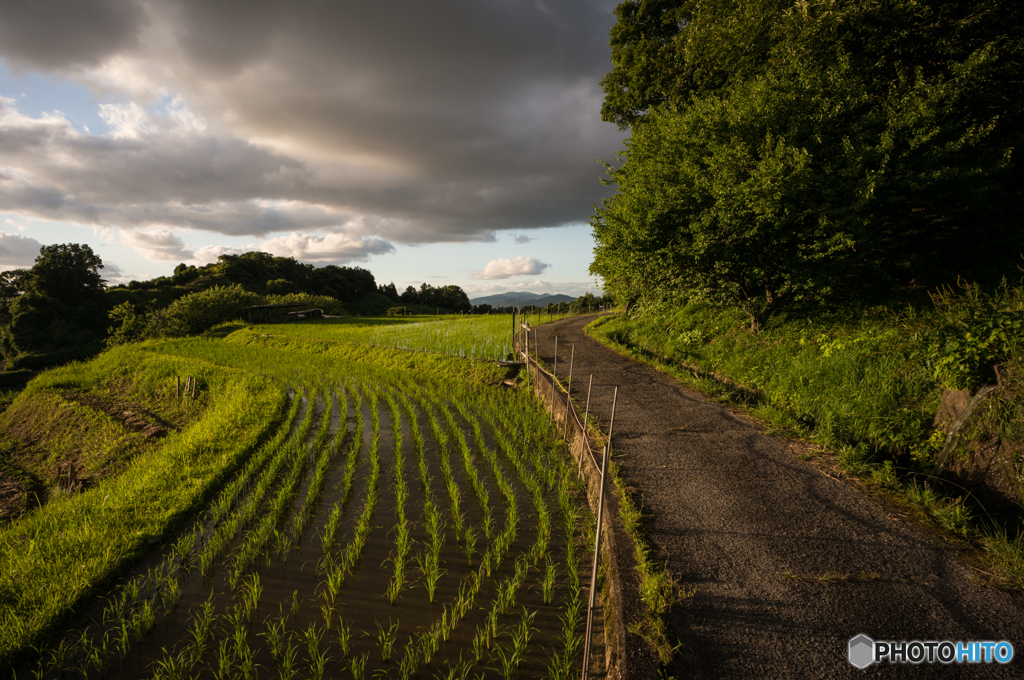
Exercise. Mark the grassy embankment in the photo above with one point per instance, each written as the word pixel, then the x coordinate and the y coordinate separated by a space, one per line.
pixel 865 388
pixel 58 554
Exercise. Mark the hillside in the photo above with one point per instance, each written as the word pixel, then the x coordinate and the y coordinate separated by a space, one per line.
pixel 521 298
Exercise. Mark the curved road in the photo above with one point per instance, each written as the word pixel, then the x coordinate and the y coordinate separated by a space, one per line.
pixel 737 516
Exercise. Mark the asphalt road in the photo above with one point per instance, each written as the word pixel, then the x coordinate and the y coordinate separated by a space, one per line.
pixel 736 515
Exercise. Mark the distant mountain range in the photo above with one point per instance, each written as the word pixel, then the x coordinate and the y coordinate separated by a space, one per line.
pixel 520 299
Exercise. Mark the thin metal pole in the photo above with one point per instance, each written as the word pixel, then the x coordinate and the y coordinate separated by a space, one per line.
pixel 554 376
pixel 579 469
pixel 568 393
pixel 597 542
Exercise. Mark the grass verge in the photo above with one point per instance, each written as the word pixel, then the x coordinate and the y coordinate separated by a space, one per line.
pixel 865 388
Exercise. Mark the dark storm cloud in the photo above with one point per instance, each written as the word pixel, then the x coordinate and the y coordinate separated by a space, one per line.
pixel 411 121
pixel 61 34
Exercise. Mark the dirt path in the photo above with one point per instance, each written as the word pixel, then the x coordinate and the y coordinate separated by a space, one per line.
pixel 736 515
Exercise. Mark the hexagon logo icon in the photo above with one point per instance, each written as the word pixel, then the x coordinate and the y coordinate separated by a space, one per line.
pixel 862 651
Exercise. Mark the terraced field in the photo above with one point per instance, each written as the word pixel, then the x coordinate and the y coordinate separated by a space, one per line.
pixel 387 522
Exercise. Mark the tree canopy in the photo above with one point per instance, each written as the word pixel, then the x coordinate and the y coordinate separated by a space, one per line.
pixel 808 153
pixel 445 298
pixel 54 311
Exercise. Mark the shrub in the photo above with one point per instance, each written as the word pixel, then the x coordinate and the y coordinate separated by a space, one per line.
pixel 198 312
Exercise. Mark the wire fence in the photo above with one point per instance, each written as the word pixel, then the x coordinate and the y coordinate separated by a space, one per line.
pixel 561 398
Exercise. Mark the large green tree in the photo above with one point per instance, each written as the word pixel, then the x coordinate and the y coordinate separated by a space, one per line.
pixel 810 152
pixel 59 313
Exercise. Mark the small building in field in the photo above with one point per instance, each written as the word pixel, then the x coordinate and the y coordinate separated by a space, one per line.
pixel 306 314
pixel 270 313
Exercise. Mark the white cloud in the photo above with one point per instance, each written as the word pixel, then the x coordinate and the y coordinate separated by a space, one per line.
pixel 126 121
pixel 523 238
pixel 17 251
pixel 335 248
pixel 503 268
pixel 158 244
pixel 17 225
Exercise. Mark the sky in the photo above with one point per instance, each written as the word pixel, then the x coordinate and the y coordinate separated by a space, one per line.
pixel 448 142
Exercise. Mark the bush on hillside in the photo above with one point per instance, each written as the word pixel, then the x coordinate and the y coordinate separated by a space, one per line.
pixel 198 312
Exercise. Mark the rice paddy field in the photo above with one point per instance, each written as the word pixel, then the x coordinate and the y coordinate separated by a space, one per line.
pixel 335 512
pixel 478 337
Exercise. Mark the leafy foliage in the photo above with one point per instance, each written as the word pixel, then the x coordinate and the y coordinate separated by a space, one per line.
pixel 977 332
pixel 446 298
pixel 55 311
pixel 787 156
pixel 198 312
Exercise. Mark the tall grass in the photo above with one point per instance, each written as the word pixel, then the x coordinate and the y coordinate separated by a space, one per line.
pixel 850 380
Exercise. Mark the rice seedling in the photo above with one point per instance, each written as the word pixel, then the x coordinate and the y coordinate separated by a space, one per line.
pixel 386 639
pixel 182 549
pixel 240 638
pixel 481 641
pixel 200 629
pixel 432 572
pixel 144 619
pixel 344 638
pixel 286 662
pixel 223 670
pixel 123 641
pixel 507 662
pixel 492 619
pixel 330 529
pixel 245 660
pixel 276 637
pixel 357 667
pixel 251 590
pixel 548 583
pixel 335 577
pixel 171 666
pixel 521 638
pixel 317 659
pixel 328 614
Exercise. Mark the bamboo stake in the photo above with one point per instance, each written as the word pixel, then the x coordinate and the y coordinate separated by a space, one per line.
pixel 554 376
pixel 583 444
pixel 597 541
pixel 568 394
pixel 177 387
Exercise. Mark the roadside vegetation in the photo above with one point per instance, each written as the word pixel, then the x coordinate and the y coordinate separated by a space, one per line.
pixel 867 386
